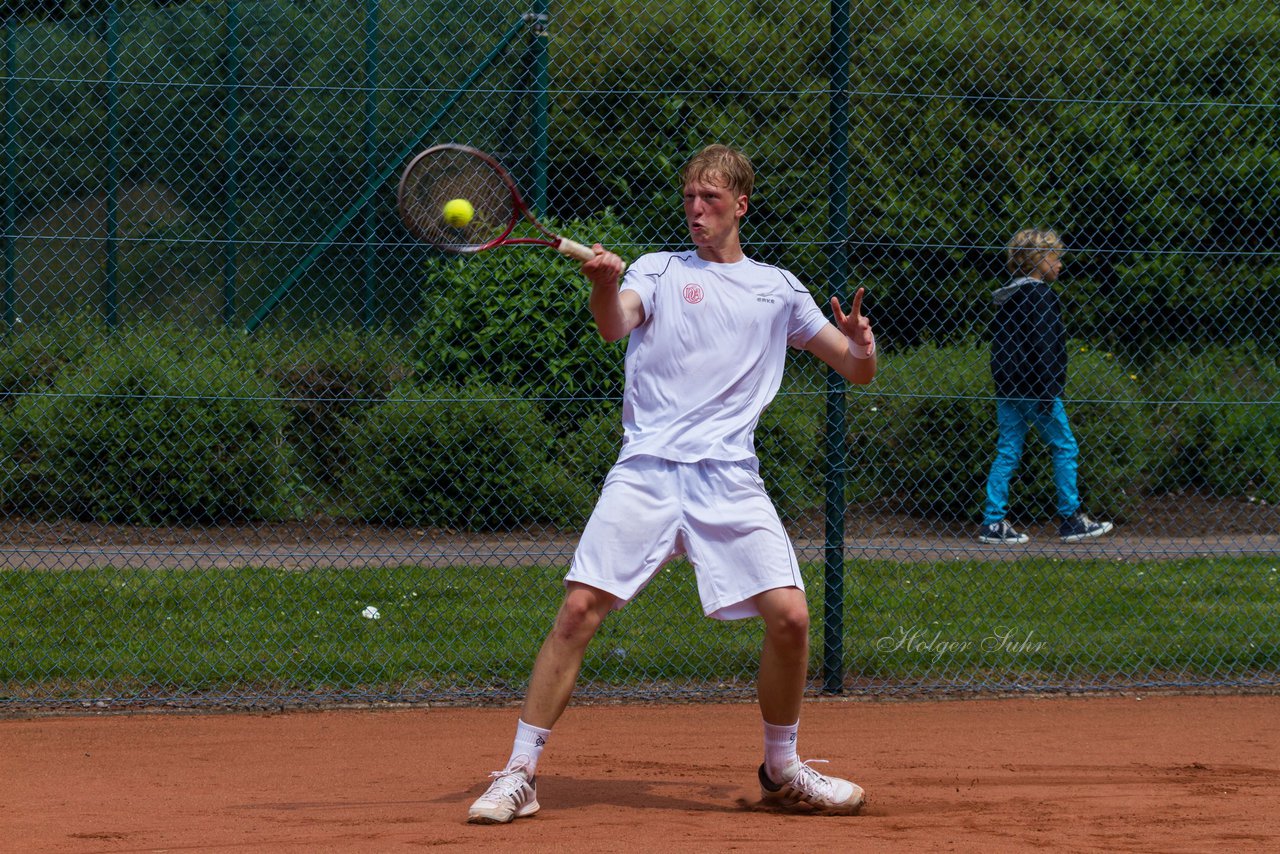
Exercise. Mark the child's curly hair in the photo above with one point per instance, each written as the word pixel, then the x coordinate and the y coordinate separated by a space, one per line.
pixel 1031 246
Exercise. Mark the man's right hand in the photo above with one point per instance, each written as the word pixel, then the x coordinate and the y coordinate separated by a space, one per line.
pixel 605 269
pixel 616 312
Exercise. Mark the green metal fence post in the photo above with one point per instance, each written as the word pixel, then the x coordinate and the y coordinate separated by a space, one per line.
pixel 349 215
pixel 111 271
pixel 838 273
pixel 10 166
pixel 369 221
pixel 231 161
pixel 541 105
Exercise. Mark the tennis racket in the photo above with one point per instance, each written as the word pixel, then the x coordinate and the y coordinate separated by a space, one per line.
pixel 443 173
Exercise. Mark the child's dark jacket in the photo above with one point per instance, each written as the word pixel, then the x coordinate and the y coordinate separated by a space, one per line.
pixel 1028 341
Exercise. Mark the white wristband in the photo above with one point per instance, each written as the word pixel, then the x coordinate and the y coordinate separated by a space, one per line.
pixel 862 351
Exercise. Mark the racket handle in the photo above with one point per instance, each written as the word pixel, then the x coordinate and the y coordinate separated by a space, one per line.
pixel 576 250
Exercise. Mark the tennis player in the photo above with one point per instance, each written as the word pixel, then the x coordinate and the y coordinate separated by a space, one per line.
pixel 708 333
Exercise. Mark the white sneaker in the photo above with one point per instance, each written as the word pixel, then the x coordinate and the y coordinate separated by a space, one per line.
pixel 818 792
pixel 512 794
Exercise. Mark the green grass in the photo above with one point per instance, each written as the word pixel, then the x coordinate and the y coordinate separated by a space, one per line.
pixel 449 632
pixel 1192 621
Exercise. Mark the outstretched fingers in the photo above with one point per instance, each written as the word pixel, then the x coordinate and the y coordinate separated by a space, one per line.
pixel 856 311
pixel 837 313
pixel 853 324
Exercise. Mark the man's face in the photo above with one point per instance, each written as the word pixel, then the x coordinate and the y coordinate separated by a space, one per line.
pixel 712 212
pixel 1050 267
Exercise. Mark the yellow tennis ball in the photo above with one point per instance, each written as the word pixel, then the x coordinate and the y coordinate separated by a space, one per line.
pixel 458 212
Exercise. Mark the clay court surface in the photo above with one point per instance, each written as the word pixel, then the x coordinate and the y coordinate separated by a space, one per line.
pixel 1167 773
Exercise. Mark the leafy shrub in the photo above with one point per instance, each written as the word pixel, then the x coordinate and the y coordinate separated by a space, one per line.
pixel 32 358
pixel 1219 419
pixel 157 425
pixel 133 435
pixel 927 431
pixel 477 458
pixel 518 319
pixel 924 430
pixel 590 450
pixel 326 379
pixel 789 443
pixel 1122 453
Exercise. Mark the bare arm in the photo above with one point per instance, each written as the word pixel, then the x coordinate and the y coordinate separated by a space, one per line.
pixel 845 345
pixel 616 312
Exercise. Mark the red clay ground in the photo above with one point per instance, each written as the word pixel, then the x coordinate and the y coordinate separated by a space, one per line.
pixel 1120 773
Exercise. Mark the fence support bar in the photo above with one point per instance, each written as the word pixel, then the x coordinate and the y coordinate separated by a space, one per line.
pixel 10 167
pixel 349 215
pixel 231 168
pixel 541 106
pixel 111 272
pixel 838 277
pixel 369 223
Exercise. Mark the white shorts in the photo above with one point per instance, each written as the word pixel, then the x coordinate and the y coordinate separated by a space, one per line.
pixel 652 510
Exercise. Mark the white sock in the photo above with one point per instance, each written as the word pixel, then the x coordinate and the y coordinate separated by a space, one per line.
pixel 781 762
pixel 528 747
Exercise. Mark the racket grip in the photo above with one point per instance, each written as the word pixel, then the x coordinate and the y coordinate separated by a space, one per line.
pixel 576 250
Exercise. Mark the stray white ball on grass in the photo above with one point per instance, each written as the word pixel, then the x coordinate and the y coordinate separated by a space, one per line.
pixel 370 613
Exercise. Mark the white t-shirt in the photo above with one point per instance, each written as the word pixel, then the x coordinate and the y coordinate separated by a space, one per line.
pixel 710 354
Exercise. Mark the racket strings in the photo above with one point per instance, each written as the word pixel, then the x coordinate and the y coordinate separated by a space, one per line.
pixel 441 176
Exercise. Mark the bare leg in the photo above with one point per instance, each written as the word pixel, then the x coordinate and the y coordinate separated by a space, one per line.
pixel 784 665
pixel 513 792
pixel 784 660
pixel 555 671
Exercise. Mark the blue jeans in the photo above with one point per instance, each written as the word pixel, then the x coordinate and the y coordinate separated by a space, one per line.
pixel 1015 416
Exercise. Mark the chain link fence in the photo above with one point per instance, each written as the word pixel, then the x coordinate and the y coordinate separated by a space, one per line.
pixel 259 447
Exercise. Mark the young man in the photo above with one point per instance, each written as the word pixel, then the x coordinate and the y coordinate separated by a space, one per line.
pixel 709 330
pixel 1029 367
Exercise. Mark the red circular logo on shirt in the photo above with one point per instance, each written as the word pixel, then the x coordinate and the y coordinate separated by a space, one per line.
pixel 693 293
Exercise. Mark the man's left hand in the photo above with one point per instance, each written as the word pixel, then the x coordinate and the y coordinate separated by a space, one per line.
pixel 855 324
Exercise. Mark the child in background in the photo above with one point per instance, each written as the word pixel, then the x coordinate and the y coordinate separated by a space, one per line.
pixel 1029 366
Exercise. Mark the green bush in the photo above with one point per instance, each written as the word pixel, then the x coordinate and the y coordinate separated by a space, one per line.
pixel 925 431
pixel 155 425
pixel 590 450
pixel 32 358
pixel 518 319
pixel 478 458
pixel 1122 453
pixel 1219 419
pixel 327 379
pixel 789 443
pixel 134 434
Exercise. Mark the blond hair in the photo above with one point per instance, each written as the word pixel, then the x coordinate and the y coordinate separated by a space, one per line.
pixel 1030 247
pixel 721 165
